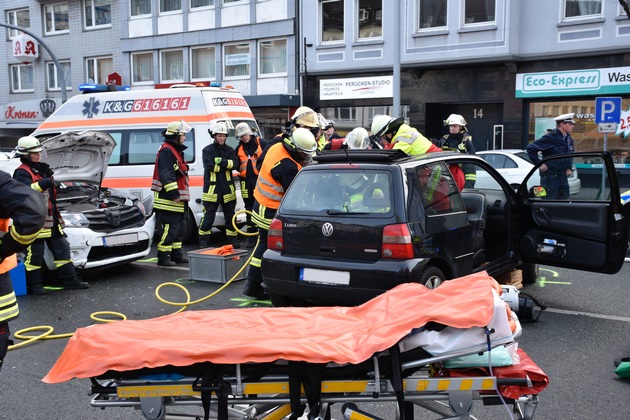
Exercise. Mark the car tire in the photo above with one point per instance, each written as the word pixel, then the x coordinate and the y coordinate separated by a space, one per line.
pixel 530 272
pixel 431 277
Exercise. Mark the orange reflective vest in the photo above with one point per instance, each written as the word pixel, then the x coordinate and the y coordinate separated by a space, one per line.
pixel 243 158
pixel 269 191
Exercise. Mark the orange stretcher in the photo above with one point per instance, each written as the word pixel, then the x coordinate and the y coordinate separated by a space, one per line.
pixel 268 363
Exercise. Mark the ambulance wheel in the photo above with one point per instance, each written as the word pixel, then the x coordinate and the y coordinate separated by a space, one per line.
pixel 431 277
pixel 530 272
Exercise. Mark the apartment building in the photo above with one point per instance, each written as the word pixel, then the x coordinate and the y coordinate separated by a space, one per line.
pixel 145 44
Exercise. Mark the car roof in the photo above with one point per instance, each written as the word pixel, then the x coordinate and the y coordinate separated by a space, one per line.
pixel 391 156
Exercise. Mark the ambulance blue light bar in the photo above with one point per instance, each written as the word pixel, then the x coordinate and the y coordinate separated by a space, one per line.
pixel 96 87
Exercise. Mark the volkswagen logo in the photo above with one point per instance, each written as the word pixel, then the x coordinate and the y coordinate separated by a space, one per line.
pixel 327 229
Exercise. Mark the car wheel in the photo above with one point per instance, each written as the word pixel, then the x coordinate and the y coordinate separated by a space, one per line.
pixel 431 277
pixel 530 272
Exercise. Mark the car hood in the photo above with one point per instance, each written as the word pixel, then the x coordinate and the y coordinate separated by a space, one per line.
pixel 79 157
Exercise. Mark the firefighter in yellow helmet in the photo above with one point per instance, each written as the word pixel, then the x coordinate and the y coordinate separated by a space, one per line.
pixel 401 136
pixel 458 140
pixel 280 167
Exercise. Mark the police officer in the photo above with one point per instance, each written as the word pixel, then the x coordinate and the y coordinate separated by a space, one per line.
pixel 458 140
pixel 27 209
pixel 171 194
pixel 281 165
pixel 38 175
pixel 248 150
pixel 554 176
pixel 219 160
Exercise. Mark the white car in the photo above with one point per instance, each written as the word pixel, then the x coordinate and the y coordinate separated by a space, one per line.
pixel 104 226
pixel 515 164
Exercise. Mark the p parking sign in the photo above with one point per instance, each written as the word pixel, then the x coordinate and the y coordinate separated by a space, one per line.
pixel 607 110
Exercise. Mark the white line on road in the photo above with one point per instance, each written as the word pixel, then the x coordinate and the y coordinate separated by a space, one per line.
pixel 592 315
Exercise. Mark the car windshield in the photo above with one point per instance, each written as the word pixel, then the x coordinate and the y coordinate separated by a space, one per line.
pixel 351 191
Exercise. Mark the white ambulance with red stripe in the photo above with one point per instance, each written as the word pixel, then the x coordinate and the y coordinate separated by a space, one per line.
pixel 136 119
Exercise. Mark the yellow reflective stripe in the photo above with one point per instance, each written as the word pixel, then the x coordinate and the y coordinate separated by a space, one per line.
pixel 59 263
pixel 170 186
pixel 255 262
pixel 23 239
pixel 7 299
pixel 213 177
pixel 160 245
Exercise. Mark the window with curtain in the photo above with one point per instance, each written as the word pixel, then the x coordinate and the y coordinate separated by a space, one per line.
pixel 142 67
pixel 172 65
pixel 331 13
pixel 479 11
pixel 236 60
pixel 19 18
pixel 272 57
pixel 578 8
pixel 432 14
pixel 52 82
pixel 98 13
pixel 140 7
pixel 370 18
pixel 203 63
pixel 56 18
pixel 201 3
pixel 97 69
pixel 170 5
pixel 22 79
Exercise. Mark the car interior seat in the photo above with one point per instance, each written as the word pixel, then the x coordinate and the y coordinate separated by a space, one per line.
pixel 376 197
pixel 475 204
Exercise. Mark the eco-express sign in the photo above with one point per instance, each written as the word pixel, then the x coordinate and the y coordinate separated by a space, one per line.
pixel 573 83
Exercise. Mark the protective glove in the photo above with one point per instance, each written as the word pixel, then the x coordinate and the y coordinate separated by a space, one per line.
pixel 45 183
pixel 217 160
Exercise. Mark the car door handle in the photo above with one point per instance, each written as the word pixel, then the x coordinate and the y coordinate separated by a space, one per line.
pixel 540 211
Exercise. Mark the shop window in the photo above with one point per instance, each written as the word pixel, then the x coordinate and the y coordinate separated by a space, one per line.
pixel 22 78
pixel 170 5
pixel 142 68
pixel 172 66
pixel 331 12
pixel 98 13
pixel 479 11
pixel 140 7
pixel 19 18
pixel 98 68
pixel 236 61
pixel 201 3
pixel 370 19
pixel 203 63
pixel 432 14
pixel 272 57
pixel 581 8
pixel 56 19
pixel 52 79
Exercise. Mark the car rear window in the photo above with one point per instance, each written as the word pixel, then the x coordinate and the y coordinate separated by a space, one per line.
pixel 344 191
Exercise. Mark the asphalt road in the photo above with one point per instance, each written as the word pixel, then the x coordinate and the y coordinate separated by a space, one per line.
pixel 585 327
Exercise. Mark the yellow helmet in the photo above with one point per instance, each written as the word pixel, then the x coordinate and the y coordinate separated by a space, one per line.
pixel 28 145
pixel 177 128
pixel 302 140
pixel 380 124
pixel 455 119
pixel 305 116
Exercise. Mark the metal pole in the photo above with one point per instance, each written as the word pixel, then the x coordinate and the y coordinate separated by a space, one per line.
pixel 61 80
pixel 396 29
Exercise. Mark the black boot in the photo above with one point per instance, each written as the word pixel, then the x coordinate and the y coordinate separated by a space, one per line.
pixel 178 257
pixel 252 241
pixel 74 284
pixel 255 290
pixel 204 241
pixel 34 284
pixel 233 240
pixel 68 275
pixel 164 259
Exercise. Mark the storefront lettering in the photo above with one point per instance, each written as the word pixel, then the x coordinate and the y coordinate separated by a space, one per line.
pixel 12 114
pixel 618 77
pixel 561 81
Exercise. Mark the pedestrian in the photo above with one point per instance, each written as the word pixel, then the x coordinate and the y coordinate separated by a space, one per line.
pixel 171 194
pixel 248 150
pixel 38 175
pixel 27 210
pixel 554 175
pixel 282 163
pixel 459 140
pixel 219 160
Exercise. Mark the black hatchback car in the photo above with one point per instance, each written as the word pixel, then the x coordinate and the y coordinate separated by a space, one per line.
pixel 358 223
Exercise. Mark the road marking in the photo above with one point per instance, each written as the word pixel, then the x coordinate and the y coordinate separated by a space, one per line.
pixel 589 314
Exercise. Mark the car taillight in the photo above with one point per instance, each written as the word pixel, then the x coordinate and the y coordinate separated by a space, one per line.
pixel 397 242
pixel 274 240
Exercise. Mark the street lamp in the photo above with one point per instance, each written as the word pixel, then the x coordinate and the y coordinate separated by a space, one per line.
pixel 61 80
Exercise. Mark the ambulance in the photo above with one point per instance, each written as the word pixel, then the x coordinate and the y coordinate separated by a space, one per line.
pixel 136 119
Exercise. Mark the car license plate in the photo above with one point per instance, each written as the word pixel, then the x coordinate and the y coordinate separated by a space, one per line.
pixel 313 275
pixel 119 240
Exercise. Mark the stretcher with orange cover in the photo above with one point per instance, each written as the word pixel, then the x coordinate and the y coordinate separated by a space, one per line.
pixel 269 363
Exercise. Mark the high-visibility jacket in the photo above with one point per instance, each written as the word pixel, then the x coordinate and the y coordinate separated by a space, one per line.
pixel 8 303
pixel 52 212
pixel 218 184
pixel 245 159
pixel 269 191
pixel 410 141
pixel 170 179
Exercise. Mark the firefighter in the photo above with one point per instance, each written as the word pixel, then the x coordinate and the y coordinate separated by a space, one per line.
pixel 281 165
pixel 219 160
pixel 458 140
pixel 248 150
pixel 38 175
pixel 171 194
pixel 27 209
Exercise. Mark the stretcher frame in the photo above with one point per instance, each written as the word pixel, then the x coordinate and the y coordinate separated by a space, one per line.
pixel 267 398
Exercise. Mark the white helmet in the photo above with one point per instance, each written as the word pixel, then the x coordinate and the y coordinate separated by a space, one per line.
pixel 220 128
pixel 241 129
pixel 323 122
pixel 177 128
pixel 358 139
pixel 305 116
pixel 455 119
pixel 28 145
pixel 303 141
pixel 380 124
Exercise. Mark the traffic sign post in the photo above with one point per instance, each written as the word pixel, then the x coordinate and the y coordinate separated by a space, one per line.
pixel 607 115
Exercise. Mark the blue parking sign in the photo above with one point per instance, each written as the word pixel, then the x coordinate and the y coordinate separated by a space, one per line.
pixel 607 110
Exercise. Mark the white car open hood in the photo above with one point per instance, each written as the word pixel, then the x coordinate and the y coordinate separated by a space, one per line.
pixel 79 156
